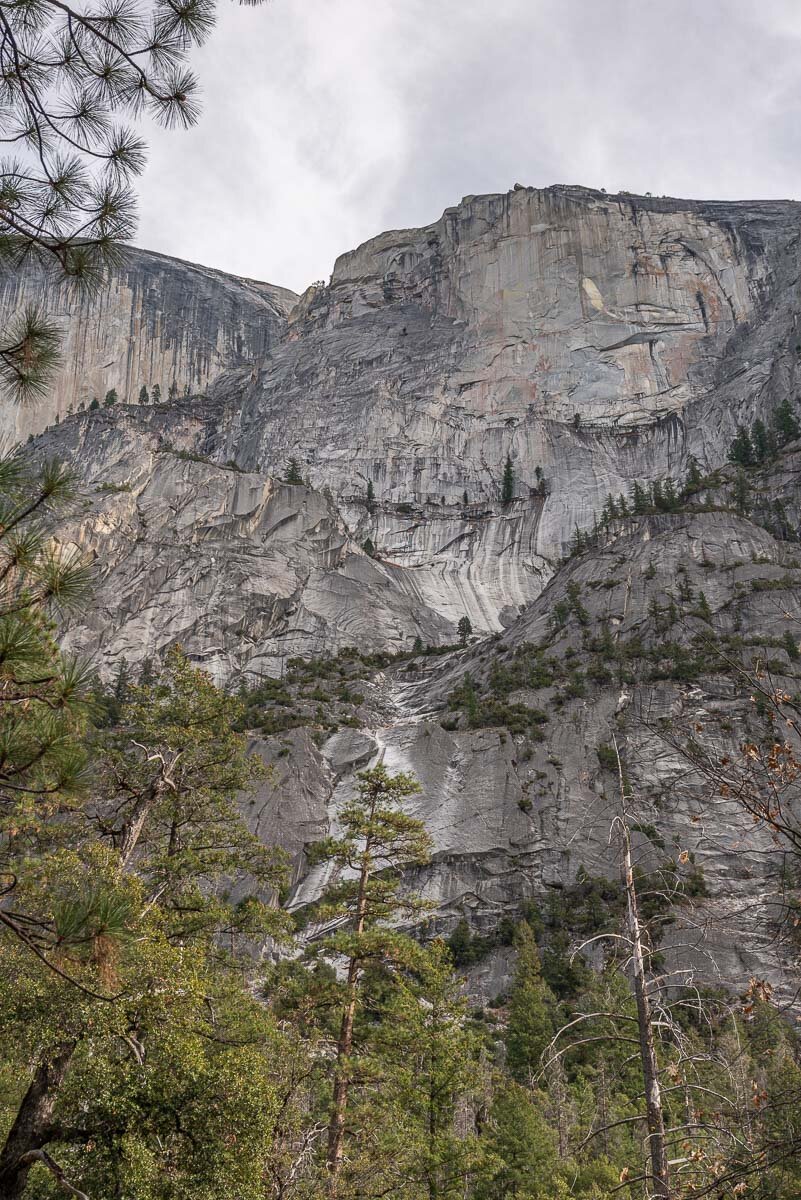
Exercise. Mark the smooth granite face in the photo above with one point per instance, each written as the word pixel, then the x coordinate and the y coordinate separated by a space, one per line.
pixel 596 340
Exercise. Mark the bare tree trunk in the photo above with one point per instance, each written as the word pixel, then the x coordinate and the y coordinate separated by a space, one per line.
pixel 657 1140
pixel 32 1125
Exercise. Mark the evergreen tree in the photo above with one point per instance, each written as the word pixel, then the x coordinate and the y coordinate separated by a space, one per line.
pixel 123 1007
pixel 144 398
pixel 741 450
pixel 293 474
pixel 173 392
pixel 110 398
pixel 785 422
pixel 531 1010
pixel 370 491
pixel 693 477
pixel 508 483
pixel 94 405
pixel 521 1150
pixel 464 629
pixel 377 839
pixel 156 394
pixel 761 441
pixel 703 610
pixel 741 493
pixel 639 499
pixel 669 497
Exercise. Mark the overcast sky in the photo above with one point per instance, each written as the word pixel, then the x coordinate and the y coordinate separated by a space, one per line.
pixel 328 121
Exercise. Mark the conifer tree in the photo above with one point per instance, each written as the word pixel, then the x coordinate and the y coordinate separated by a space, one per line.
pixel 293 474
pixel 508 482
pixel 76 81
pixel 694 476
pixel 376 841
pixel 532 1009
pixel 639 499
pixel 741 451
pixel 761 441
pixel 464 629
pixel 110 398
pixel 156 394
pixel 786 423
pixel 144 398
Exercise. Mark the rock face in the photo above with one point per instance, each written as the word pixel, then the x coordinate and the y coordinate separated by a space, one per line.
pixel 596 341
pixel 157 321
pixel 241 570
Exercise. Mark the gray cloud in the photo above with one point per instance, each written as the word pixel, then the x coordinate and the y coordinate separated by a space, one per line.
pixel 327 121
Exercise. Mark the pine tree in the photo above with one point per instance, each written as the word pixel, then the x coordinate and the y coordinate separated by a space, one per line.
pixel 95 405
pixel 156 394
pixel 508 483
pixel 144 398
pixel 693 477
pixel 110 398
pixel 370 491
pixel 532 1010
pixel 639 499
pixel 173 392
pixel 786 423
pixel 293 474
pixel 741 493
pixel 669 497
pixel 464 629
pixel 377 839
pixel 741 450
pixel 761 442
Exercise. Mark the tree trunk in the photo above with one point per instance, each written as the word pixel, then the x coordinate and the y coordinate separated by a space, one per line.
pixel 339 1105
pixel 32 1125
pixel 657 1140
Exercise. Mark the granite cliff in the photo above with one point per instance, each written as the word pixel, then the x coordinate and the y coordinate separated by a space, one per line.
pixel 597 342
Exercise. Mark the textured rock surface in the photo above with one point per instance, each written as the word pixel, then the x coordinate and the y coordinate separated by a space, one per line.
pixel 243 571
pixel 157 320
pixel 599 338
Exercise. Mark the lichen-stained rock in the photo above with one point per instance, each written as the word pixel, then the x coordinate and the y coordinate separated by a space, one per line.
pixel 156 320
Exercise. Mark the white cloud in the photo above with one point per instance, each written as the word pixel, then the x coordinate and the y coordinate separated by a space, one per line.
pixel 328 121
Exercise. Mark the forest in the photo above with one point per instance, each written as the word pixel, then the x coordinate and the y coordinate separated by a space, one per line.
pixel 171 1028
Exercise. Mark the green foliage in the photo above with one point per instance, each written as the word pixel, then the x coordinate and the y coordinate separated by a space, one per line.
pixel 293 474
pixel 144 397
pixel 786 423
pixel 110 398
pixel 741 450
pixel 464 629
pixel 532 1011
pixel 508 482
pixel 95 404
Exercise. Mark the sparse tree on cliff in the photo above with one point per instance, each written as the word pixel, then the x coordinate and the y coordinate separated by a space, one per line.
pixel 741 451
pixel 156 394
pixel 464 629
pixel 786 423
pixel 144 398
pixel 293 473
pixel 111 397
pixel 508 483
